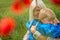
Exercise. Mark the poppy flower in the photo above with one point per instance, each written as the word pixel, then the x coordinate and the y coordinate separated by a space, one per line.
pixel 57 2
pixel 7 25
pixel 27 2
pixel 19 6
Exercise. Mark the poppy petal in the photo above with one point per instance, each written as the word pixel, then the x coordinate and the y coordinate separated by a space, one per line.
pixel 56 2
pixel 7 25
pixel 19 6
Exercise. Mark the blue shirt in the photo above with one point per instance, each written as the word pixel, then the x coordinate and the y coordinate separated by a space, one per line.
pixel 48 30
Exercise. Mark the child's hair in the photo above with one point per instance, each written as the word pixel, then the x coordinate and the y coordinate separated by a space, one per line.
pixel 47 13
pixel 36 12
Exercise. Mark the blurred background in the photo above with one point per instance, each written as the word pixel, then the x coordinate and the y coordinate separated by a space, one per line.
pixel 21 19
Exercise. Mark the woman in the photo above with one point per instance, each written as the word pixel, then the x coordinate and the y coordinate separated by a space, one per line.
pixel 45 18
pixel 29 33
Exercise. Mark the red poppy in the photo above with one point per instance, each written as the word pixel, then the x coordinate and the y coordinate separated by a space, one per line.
pixel 7 25
pixel 19 6
pixel 27 2
pixel 56 2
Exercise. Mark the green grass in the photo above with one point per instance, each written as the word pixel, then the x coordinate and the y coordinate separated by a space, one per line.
pixel 21 19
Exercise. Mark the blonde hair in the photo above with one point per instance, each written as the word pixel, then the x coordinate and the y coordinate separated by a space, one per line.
pixel 47 13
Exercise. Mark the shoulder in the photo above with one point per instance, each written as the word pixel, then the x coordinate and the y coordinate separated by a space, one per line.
pixel 30 23
pixel 33 22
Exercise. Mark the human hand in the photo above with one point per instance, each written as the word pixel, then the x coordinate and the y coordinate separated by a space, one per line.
pixel 33 29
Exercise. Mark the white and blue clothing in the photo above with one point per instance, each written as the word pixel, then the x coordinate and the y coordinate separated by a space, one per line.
pixel 49 30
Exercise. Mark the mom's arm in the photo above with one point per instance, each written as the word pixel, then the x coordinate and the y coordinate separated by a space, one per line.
pixel 26 36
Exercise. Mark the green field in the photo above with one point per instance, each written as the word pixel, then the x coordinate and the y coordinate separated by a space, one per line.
pixel 21 19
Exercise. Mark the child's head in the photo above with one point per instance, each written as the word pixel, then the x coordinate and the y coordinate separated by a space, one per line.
pixel 46 14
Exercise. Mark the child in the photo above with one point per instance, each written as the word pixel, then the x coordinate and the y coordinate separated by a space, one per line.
pixel 48 16
pixel 32 6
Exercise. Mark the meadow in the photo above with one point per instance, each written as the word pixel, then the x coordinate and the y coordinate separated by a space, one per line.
pixel 21 19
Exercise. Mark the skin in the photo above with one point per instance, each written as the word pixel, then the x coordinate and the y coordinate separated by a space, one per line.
pixel 33 28
pixel 50 16
pixel 26 36
pixel 41 37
